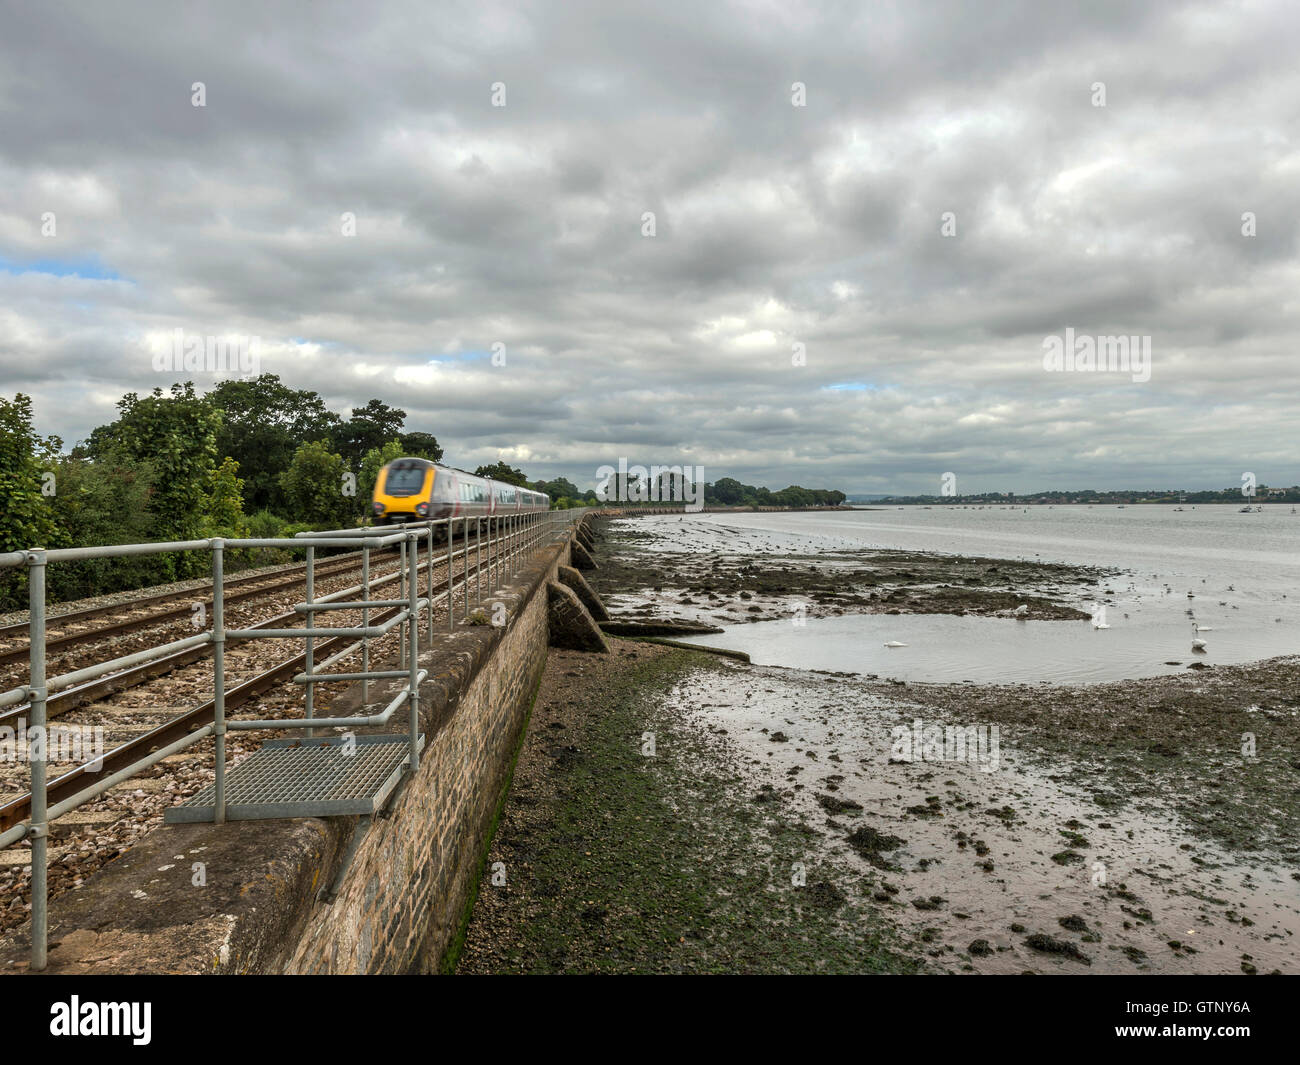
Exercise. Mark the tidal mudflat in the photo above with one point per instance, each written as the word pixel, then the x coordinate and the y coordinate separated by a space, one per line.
pixel 811 820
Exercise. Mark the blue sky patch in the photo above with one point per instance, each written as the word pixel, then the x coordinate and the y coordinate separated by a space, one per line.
pixel 88 267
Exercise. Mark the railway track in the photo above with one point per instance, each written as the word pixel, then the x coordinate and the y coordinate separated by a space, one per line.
pixel 61 701
pixel 254 586
pixel 260 679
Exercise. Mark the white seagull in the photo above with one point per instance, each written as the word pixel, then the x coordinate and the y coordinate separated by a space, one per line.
pixel 895 643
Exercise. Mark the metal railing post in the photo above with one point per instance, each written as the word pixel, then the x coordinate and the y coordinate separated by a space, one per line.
pixel 464 567
pixel 401 594
pixel 413 682
pixel 219 679
pixel 365 624
pixel 429 623
pixel 311 619
pixel 478 561
pixel 39 830
pixel 451 588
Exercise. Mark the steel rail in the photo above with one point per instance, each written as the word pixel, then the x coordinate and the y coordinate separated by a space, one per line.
pixel 278 581
pixel 71 783
pixel 71 698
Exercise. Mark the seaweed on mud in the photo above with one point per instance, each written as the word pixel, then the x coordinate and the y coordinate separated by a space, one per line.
pixel 834 805
pixel 1051 945
pixel 871 845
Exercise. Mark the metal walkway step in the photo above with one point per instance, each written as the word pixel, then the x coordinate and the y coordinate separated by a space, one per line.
pixel 318 777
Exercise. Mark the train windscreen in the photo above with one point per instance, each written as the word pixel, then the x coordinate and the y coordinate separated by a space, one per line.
pixel 404 481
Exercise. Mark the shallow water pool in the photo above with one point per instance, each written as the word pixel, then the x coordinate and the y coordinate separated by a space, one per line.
pixel 942 648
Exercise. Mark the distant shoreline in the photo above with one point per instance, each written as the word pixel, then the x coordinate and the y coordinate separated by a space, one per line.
pixel 1022 503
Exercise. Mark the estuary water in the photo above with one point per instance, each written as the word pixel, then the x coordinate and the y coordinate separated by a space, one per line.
pixel 1242 572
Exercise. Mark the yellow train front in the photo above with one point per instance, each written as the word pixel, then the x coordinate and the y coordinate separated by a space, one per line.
pixel 410 489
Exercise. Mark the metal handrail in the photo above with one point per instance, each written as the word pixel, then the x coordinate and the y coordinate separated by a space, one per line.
pixel 506 540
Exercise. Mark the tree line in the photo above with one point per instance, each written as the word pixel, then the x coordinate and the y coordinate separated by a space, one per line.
pixel 250 458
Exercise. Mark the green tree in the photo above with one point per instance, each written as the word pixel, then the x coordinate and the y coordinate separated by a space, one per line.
pixel 421 446
pixel 104 502
pixel 263 422
pixel 793 496
pixel 728 491
pixel 224 508
pixel 313 487
pixel 499 471
pixel 176 435
pixel 26 516
pixel 371 426
pixel 560 489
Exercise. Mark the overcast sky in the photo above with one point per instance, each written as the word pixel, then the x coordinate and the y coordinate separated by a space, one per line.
pixel 775 225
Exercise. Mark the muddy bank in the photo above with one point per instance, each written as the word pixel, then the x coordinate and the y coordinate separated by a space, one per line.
pixel 631 843
pixel 1139 826
pixel 780 827
pixel 1044 850
pixel 641 579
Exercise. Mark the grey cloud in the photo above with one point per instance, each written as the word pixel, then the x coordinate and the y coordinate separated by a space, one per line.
pixel 776 225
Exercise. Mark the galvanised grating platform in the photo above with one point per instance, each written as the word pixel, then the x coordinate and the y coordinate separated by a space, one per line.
pixel 305 778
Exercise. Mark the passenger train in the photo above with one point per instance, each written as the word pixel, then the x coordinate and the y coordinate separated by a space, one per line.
pixel 409 489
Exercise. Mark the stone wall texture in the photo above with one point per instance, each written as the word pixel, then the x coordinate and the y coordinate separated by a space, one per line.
pixel 403 897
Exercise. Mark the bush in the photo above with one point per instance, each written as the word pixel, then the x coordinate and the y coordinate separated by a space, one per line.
pixel 314 486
